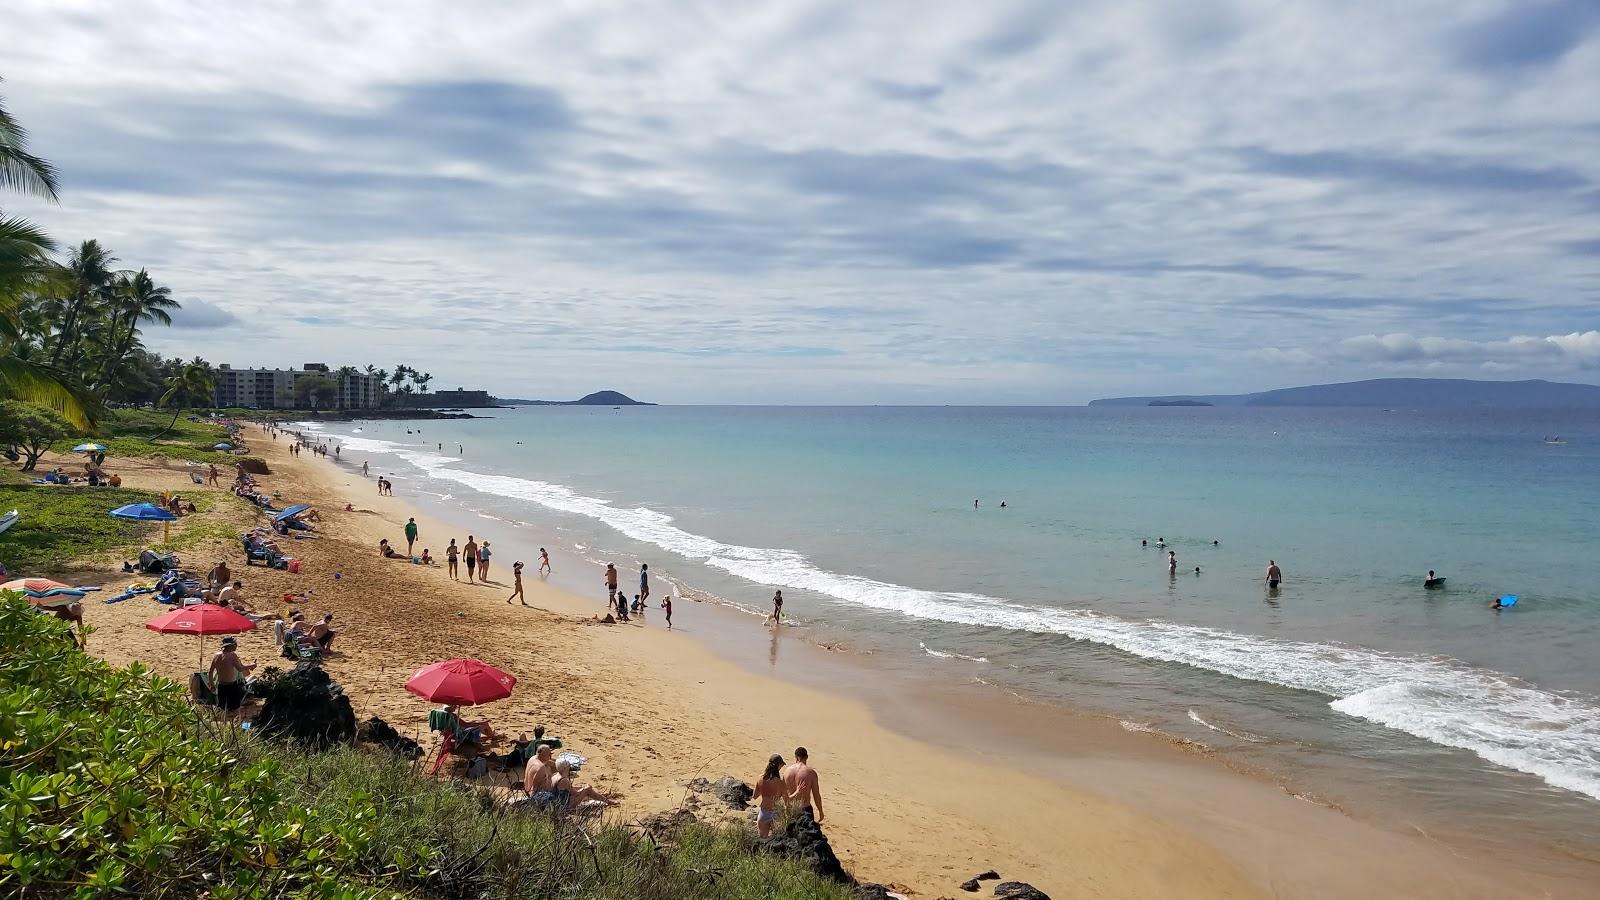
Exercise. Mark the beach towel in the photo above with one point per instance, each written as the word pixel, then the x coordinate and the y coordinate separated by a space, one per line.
pixel 130 592
pixel 571 759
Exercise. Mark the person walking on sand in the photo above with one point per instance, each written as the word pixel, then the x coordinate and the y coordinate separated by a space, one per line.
pixel 452 556
pixel 666 606
pixel 516 590
pixel 470 551
pixel 363 470
pixel 411 534
pixel 544 562
pixel 1274 574
pixel 611 584
pixel 644 583
pixel 769 792
pixel 483 562
pixel 777 609
pixel 211 477
pixel 802 786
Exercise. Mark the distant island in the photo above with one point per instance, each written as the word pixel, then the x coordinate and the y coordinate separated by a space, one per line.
pixel 1402 393
pixel 598 398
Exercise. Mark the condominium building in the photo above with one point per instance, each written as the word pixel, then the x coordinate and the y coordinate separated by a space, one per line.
pixel 274 388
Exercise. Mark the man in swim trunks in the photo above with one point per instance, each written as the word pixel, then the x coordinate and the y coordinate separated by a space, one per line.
pixel 611 584
pixel 470 551
pixel 802 785
pixel 1274 574
pixel 452 556
pixel 777 608
pixel 537 779
pixel 228 673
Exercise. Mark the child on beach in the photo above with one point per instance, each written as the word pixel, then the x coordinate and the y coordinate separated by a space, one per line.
pixel 666 606
pixel 544 562
pixel 516 592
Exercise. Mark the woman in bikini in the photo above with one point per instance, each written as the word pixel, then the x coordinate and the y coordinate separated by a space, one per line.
pixel 769 791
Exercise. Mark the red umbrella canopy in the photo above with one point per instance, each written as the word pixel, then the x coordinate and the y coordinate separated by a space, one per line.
pixel 204 618
pixel 468 681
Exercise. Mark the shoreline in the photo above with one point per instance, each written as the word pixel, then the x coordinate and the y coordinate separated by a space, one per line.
pixel 900 809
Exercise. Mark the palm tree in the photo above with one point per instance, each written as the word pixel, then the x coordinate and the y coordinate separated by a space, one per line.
pixel 136 299
pixel 19 169
pixel 90 273
pixel 422 381
pixel 25 268
pixel 193 379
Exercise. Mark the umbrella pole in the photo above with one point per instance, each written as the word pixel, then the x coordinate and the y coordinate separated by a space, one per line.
pixel 166 530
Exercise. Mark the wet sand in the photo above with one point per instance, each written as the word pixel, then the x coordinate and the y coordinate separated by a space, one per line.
pixel 1068 803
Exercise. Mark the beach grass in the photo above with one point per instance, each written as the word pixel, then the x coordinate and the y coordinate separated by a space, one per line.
pixel 133 433
pixel 62 523
pixel 116 785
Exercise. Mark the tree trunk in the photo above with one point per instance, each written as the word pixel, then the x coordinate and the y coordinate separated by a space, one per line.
pixel 31 456
pixel 170 425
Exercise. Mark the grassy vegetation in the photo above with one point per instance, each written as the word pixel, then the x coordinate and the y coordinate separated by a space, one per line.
pixel 131 433
pixel 64 523
pixel 110 784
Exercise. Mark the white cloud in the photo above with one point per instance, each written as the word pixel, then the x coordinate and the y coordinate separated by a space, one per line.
pixel 1022 202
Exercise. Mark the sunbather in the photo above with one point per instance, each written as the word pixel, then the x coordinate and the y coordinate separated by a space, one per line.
pixel 577 794
pixel 468 732
pixel 322 632
pixel 387 552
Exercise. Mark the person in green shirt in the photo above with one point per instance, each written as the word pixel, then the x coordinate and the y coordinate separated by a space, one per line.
pixel 411 534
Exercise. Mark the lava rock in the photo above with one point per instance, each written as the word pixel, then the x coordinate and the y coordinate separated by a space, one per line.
pixel 1017 890
pixel 871 892
pixel 307 707
pixel 802 839
pixel 663 825
pixel 377 731
pixel 970 885
pixel 986 876
pixel 733 792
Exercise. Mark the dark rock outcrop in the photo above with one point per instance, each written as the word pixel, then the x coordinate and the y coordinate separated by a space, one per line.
pixel 970 885
pixel 307 707
pixel 871 892
pixel 802 839
pixel 734 792
pixel 1017 890
pixel 377 731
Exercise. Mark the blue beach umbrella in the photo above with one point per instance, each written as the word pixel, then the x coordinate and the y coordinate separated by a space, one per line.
pixel 89 448
pixel 291 512
pixel 222 446
pixel 145 512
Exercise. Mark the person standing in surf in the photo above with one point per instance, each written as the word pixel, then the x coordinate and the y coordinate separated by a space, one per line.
pixel 776 617
pixel 1172 562
pixel 1274 575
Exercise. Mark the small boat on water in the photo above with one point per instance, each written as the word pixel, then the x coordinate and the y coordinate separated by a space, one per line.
pixel 1558 439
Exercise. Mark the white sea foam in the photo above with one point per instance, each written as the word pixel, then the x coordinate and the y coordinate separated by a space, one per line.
pixel 1241 735
pixel 1553 736
pixel 945 654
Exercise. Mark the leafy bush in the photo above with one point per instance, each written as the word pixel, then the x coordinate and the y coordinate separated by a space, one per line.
pixel 31 428
pixel 111 784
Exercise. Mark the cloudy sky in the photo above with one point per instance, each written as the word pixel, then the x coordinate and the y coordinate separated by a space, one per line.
pixel 835 201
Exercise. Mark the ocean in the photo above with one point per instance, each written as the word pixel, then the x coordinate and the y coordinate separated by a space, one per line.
pixel 1351 682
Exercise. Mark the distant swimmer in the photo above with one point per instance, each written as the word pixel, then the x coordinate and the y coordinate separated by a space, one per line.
pixel 1274 574
pixel 974 504
pixel 1216 543
pixel 1144 542
pixel 1172 562
pixel 1197 570
pixel 1432 581
pixel 1505 602
pixel 1002 504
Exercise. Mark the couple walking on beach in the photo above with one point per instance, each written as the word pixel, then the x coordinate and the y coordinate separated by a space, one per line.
pixel 796 786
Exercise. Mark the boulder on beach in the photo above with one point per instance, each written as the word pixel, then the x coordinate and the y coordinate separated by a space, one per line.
pixel 1018 890
pixel 377 731
pixel 802 838
pixel 305 706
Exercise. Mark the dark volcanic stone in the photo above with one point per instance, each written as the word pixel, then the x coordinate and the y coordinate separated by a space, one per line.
pixel 986 876
pixel 734 792
pixel 871 892
pixel 307 707
pixel 971 884
pixel 802 839
pixel 377 731
pixel 1017 890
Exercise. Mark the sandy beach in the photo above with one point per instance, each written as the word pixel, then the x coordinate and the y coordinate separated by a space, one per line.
pixel 1102 814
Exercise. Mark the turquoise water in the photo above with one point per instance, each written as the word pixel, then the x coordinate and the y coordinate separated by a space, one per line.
pixel 1350 680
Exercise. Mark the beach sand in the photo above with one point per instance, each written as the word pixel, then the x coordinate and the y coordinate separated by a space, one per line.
pixel 1108 815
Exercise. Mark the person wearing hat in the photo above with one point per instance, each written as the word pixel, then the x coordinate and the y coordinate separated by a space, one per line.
pixel 228 673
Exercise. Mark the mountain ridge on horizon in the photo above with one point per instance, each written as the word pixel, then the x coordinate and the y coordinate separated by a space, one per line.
pixel 1416 393
pixel 598 398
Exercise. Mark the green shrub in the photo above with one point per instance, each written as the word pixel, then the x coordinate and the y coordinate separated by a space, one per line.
pixel 110 784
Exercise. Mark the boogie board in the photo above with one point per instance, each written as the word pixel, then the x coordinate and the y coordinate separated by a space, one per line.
pixel 1508 601
pixel 1433 582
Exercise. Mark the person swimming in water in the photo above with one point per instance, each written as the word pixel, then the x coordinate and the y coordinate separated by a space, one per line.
pixel 1432 581
pixel 1172 562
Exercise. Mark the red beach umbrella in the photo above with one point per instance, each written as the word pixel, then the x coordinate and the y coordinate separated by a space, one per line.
pixel 200 620
pixel 467 681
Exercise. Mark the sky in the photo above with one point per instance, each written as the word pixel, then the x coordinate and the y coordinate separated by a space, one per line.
pixel 838 202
